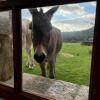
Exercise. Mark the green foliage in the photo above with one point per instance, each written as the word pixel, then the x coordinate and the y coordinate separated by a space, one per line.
pixel 73 64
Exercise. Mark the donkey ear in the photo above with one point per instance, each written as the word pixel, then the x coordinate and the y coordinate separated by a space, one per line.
pixel 41 10
pixel 51 12
pixel 33 11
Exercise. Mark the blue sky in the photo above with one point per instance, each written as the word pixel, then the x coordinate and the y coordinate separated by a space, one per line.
pixel 71 17
pixel 88 7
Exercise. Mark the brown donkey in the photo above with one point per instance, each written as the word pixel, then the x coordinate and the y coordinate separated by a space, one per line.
pixel 47 40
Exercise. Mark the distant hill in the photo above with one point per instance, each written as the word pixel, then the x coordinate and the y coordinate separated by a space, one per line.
pixel 78 36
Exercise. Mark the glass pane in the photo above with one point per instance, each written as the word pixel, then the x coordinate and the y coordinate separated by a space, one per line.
pixel 42 46
pixel 6 49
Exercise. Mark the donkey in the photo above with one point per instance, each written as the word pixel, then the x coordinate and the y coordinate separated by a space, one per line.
pixel 26 40
pixel 5 28
pixel 27 43
pixel 47 40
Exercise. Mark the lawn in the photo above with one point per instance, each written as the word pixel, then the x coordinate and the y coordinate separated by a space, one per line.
pixel 73 64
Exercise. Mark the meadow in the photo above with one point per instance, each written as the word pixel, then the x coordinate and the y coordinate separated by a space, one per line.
pixel 73 64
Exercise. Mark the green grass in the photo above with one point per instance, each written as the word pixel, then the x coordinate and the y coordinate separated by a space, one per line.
pixel 73 64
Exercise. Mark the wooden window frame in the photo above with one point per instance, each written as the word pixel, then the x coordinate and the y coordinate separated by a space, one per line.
pixel 16 5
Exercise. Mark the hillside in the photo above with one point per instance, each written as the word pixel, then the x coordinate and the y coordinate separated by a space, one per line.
pixel 77 36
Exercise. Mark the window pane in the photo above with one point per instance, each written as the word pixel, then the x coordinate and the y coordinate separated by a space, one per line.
pixel 42 41
pixel 6 49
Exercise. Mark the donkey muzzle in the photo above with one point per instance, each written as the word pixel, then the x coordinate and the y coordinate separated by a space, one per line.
pixel 39 58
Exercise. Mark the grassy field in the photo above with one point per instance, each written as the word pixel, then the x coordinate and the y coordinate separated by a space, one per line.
pixel 73 64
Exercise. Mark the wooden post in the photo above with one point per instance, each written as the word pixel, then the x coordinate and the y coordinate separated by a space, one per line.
pixel 17 49
pixel 6 55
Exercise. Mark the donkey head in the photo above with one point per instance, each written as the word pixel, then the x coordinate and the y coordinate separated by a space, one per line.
pixel 41 27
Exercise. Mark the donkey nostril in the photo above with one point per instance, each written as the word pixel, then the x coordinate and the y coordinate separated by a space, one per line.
pixel 40 58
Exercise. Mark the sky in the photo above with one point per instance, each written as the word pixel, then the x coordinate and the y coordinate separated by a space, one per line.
pixel 71 17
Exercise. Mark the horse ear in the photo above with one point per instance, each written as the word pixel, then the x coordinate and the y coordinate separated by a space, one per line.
pixel 33 11
pixel 51 12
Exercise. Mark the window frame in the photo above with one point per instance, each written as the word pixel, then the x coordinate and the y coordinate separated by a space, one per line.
pixel 17 92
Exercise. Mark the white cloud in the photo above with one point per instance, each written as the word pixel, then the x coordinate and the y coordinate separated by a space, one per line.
pixel 85 22
pixel 63 13
pixel 73 8
pixel 81 21
pixel 91 16
pixel 93 4
pixel 64 27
